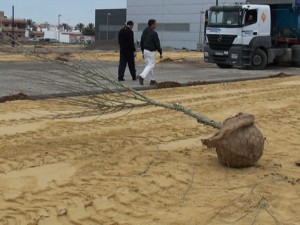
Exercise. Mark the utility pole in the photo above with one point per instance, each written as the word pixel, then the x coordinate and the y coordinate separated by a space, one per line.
pixel 107 15
pixel 13 27
pixel 58 28
pixel 217 2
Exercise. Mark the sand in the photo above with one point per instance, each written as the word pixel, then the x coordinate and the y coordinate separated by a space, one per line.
pixel 60 164
pixel 78 52
pixel 148 166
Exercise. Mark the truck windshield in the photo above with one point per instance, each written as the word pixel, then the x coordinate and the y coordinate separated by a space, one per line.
pixel 224 18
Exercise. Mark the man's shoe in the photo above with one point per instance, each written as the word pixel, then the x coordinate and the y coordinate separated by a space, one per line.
pixel 141 80
pixel 121 79
pixel 153 82
pixel 134 78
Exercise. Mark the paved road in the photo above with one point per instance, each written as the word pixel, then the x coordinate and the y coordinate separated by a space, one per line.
pixel 40 79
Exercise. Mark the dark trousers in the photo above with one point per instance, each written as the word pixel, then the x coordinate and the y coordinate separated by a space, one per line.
pixel 126 57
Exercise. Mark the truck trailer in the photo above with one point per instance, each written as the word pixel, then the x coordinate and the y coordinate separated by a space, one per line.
pixel 254 34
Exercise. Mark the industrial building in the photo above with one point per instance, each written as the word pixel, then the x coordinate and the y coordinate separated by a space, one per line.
pixel 180 23
pixel 108 23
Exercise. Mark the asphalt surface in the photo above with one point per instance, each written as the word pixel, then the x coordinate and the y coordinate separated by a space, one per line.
pixel 45 80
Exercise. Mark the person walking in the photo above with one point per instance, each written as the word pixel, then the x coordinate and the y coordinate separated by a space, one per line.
pixel 149 45
pixel 127 51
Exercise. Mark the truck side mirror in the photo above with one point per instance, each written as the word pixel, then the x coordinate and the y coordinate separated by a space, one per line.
pixel 205 21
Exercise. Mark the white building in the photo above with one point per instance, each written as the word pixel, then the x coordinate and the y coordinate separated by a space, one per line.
pixel 180 22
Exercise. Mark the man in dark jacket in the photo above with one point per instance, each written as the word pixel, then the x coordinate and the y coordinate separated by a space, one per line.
pixel 127 51
pixel 149 45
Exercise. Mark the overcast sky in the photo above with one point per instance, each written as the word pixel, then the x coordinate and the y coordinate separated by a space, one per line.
pixel 72 11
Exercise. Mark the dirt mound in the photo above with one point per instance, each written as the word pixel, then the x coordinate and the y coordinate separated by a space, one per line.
pixel 168 84
pixel 20 96
pixel 279 75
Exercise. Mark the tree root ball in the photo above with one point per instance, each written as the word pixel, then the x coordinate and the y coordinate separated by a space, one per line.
pixel 239 143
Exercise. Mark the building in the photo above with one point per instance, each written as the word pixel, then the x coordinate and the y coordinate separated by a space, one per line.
pixel 180 23
pixel 34 32
pixel 108 22
pixel 76 37
pixel 12 27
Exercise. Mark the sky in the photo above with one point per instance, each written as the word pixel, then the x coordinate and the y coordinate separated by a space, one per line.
pixel 72 11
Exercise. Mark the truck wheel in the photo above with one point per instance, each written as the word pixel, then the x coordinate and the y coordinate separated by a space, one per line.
pixel 224 66
pixel 296 55
pixel 259 60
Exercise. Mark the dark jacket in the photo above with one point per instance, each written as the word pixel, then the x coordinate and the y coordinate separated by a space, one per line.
pixel 150 40
pixel 126 40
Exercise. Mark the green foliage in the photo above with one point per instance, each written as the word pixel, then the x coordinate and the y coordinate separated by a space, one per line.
pixel 66 27
pixel 80 27
pixel 89 30
pixel 30 23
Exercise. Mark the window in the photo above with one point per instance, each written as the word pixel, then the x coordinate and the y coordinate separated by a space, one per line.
pixel 251 17
pixel 170 27
pixel 226 18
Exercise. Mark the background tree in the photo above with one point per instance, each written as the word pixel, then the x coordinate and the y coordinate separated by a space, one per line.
pixel 30 23
pixel 66 27
pixel 80 27
pixel 89 29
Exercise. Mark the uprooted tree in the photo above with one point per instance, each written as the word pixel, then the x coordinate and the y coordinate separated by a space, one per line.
pixel 238 143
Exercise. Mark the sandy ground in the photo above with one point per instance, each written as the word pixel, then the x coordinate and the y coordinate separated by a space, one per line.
pixel 60 164
pixel 149 166
pixel 78 52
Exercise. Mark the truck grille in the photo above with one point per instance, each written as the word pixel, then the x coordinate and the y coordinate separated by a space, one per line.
pixel 220 42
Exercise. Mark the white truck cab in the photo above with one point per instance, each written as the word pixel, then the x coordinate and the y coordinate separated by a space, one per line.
pixel 243 35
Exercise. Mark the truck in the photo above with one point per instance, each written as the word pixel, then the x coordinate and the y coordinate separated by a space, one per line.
pixel 253 34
